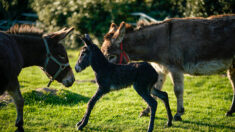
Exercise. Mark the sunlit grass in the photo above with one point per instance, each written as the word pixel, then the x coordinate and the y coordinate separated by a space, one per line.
pixel 206 100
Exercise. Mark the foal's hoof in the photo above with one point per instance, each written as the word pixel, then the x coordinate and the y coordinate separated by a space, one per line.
pixel 177 118
pixel 229 114
pixel 143 114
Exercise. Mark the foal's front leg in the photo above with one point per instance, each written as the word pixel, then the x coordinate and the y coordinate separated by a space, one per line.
pixel 90 106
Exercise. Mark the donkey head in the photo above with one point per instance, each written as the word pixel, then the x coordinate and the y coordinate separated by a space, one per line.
pixel 112 41
pixel 56 63
pixel 85 55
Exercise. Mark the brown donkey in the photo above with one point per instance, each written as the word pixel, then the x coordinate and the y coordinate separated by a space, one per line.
pixel 24 46
pixel 196 46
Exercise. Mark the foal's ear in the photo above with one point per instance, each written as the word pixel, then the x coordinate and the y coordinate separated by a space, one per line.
pixel 119 34
pixel 112 28
pixel 87 40
pixel 61 34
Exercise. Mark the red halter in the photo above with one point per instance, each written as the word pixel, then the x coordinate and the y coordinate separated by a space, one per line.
pixel 122 53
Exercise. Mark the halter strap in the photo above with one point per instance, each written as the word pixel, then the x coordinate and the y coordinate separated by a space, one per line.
pixel 122 53
pixel 48 57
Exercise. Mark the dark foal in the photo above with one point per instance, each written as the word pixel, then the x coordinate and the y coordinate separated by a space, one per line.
pixel 24 46
pixel 111 77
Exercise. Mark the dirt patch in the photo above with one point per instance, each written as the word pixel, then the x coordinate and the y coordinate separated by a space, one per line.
pixel 5 99
pixel 47 90
pixel 83 81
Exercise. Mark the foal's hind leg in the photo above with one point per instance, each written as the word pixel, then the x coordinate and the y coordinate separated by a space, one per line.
pixel 15 93
pixel 145 94
pixel 164 97
pixel 231 76
pixel 158 85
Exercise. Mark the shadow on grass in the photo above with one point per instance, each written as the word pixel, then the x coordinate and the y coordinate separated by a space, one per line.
pixel 205 124
pixel 62 97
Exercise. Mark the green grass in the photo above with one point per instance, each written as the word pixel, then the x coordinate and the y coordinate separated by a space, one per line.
pixel 206 100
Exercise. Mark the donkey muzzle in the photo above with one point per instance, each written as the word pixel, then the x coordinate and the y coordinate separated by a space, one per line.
pixel 69 79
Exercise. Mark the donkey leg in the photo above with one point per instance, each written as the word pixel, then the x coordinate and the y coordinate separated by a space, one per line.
pixel 231 76
pixel 15 93
pixel 178 81
pixel 91 104
pixel 158 85
pixel 164 97
pixel 152 103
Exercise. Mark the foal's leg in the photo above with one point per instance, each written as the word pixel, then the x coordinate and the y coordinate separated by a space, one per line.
pixel 178 81
pixel 231 76
pixel 90 106
pixel 158 85
pixel 164 97
pixel 145 94
pixel 15 93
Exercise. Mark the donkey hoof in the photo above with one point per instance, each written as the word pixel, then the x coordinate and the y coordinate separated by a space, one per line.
pixel 143 114
pixel 177 118
pixel 229 114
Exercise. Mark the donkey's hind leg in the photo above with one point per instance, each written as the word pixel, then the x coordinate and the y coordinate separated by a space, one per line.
pixel 164 97
pixel 231 76
pixel 15 93
pixel 152 103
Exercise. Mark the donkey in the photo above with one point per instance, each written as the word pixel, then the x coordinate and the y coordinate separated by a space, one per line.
pixel 24 46
pixel 110 77
pixel 195 46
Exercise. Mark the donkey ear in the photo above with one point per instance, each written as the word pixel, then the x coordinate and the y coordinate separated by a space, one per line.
pixel 112 28
pixel 59 35
pixel 119 34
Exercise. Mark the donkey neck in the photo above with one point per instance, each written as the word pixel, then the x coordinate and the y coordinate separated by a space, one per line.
pixel 98 62
pixel 148 43
pixel 32 49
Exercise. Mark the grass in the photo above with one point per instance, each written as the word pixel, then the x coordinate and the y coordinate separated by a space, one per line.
pixel 206 100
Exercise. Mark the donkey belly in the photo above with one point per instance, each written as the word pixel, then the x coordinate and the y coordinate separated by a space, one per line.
pixel 207 67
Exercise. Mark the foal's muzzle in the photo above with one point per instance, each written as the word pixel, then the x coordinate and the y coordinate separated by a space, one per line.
pixel 78 68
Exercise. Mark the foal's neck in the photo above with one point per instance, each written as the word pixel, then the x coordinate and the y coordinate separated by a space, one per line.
pixel 98 62
pixel 32 49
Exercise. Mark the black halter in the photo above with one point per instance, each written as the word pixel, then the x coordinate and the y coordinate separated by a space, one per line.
pixel 48 57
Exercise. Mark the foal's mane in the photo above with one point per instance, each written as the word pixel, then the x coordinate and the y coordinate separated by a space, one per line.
pixel 25 30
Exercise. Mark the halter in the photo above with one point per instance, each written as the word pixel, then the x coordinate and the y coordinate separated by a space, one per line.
pixel 122 53
pixel 48 57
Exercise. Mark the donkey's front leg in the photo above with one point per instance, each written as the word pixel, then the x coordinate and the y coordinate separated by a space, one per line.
pixel 178 81
pixel 158 85
pixel 90 106
pixel 14 92
pixel 231 76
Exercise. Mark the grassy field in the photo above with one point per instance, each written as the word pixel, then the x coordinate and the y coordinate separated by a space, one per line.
pixel 206 100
